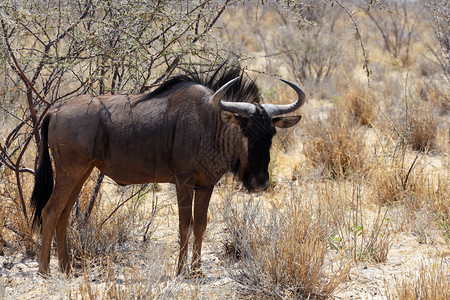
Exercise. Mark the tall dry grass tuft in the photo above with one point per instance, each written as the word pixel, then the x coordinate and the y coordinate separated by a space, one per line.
pixel 437 201
pixel 358 233
pixel 433 94
pixel 359 104
pixel 398 180
pixel 281 250
pixel 402 182
pixel 422 131
pixel 335 146
pixel 431 283
pixel 115 227
pixel 416 122
pixel 15 228
pixel 96 240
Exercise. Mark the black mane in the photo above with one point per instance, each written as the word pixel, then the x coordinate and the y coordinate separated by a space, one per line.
pixel 244 90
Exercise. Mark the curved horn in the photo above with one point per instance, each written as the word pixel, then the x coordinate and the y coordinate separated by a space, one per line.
pixel 276 110
pixel 221 92
pixel 241 108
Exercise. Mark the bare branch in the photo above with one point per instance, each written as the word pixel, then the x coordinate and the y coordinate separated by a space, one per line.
pixel 22 75
pixel 361 43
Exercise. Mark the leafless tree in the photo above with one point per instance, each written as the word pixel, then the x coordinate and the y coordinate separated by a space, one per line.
pixel 53 50
pixel 396 21
pixel 440 13
pixel 314 52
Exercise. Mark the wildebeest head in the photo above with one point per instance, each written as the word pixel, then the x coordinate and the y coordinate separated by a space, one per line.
pixel 257 123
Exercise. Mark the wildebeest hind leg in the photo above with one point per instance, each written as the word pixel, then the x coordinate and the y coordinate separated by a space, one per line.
pixel 61 226
pixel 201 204
pixel 64 184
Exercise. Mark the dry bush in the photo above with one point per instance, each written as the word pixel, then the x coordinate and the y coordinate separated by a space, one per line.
pixel 434 95
pixel 423 84
pixel 335 146
pixel 115 226
pixel 397 23
pixel 52 52
pixel 359 103
pixel 15 229
pixel 312 56
pixel 422 199
pixel 357 233
pixel 440 13
pixel 430 284
pixel 282 251
pixel 397 180
pixel 422 132
pixel 94 241
pixel 415 121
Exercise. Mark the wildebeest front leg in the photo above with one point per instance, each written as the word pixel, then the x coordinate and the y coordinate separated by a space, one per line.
pixel 185 191
pixel 200 221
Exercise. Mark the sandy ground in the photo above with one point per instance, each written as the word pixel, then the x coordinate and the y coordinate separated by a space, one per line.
pixel 19 278
pixel 407 256
pixel 405 259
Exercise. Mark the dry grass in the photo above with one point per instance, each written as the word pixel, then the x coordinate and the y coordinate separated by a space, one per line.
pixel 438 202
pixel 282 252
pixel 421 134
pixel 114 225
pixel 335 146
pixel 15 229
pixel 416 121
pixel 398 180
pixel 359 104
pixel 360 234
pixel 431 283
pixel 135 280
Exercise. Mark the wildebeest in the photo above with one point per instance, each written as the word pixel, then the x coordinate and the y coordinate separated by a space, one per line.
pixel 189 131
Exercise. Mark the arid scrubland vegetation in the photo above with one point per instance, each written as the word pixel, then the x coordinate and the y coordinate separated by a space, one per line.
pixel 358 204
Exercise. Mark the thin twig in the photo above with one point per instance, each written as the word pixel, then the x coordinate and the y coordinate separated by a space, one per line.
pixel 121 204
pixel 361 43
pixel 94 196
pixel 409 171
pixel 19 69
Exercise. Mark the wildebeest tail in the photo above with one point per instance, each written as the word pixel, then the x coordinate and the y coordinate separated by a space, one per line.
pixel 43 181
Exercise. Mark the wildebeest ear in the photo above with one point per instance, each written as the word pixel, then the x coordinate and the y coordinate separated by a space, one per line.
pixel 228 117
pixel 286 122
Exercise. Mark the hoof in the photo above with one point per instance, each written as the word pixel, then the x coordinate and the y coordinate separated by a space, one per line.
pixel 196 274
pixel 182 273
pixel 43 275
